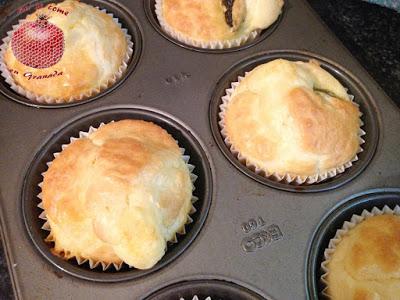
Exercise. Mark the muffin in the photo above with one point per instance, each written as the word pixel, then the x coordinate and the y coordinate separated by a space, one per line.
pixel 216 24
pixel 65 52
pixel 365 262
pixel 117 195
pixel 291 121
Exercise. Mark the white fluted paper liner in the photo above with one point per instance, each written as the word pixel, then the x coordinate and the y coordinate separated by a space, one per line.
pixel 217 44
pixel 196 298
pixel 348 225
pixel 51 100
pixel 93 264
pixel 286 178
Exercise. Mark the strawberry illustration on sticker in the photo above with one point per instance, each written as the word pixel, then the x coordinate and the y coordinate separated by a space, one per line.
pixel 38 44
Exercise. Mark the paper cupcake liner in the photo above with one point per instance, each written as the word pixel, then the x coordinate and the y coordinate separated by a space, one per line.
pixel 92 263
pixel 51 100
pixel 217 44
pixel 286 178
pixel 195 297
pixel 348 225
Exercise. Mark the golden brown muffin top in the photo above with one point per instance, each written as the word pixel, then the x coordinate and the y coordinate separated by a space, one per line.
pixel 205 20
pixel 94 50
pixel 366 262
pixel 118 195
pixel 280 121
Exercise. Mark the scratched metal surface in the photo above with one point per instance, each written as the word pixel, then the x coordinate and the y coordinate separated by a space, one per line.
pixel 180 82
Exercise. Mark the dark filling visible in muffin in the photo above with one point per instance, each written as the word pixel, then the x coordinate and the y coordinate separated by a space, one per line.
pixel 228 13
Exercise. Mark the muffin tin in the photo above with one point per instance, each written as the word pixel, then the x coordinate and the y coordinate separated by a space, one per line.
pixel 125 17
pixel 30 190
pixel 333 221
pixel 151 15
pixel 249 236
pixel 202 289
pixel 355 88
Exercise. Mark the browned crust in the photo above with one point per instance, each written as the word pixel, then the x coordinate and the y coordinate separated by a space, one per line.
pixel 198 19
pixel 280 124
pixel 82 69
pixel 119 194
pixel 366 262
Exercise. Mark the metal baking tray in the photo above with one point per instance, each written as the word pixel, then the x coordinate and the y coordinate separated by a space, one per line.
pixel 251 238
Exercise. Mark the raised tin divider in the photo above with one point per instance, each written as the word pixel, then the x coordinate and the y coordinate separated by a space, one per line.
pixel 202 289
pixel 333 221
pixel 125 17
pixel 355 87
pixel 30 190
pixel 149 6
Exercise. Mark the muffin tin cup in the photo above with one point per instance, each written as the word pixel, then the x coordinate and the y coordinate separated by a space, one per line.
pixel 342 232
pixel 92 263
pixel 31 207
pixel 336 224
pixel 213 45
pixel 333 178
pixel 49 100
pixel 125 21
pixel 279 177
pixel 204 289
pixel 153 12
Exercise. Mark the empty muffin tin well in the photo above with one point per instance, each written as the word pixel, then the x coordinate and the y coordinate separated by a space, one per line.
pixel 124 16
pixel 149 6
pixel 333 221
pixel 201 289
pixel 355 87
pixel 30 190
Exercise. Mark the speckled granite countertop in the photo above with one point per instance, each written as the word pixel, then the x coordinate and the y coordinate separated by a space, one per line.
pixel 370 32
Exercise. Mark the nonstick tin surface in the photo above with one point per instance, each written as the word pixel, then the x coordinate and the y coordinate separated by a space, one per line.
pixel 180 82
